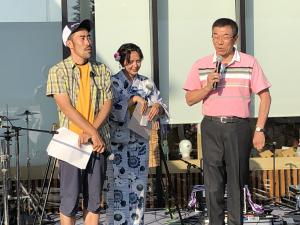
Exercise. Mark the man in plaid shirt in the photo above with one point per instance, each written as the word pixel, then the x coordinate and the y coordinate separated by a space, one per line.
pixel 81 89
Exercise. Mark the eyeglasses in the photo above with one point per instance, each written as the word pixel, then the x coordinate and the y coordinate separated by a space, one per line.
pixel 225 38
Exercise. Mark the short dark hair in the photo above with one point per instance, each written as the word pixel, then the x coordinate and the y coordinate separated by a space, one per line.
pixel 222 22
pixel 125 51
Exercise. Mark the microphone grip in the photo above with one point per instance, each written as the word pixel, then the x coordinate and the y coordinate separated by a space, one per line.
pixel 215 86
pixel 90 141
pixel 109 155
pixel 54 127
pixel 218 70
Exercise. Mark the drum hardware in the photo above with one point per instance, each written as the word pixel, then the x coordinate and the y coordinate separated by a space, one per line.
pixel 274 202
pixel 294 199
pixel 19 187
pixel 197 199
pixel 245 208
pixel 26 113
pixel 10 135
pixel 6 119
pixel 189 189
pixel 272 148
pixel 48 176
pixel 5 169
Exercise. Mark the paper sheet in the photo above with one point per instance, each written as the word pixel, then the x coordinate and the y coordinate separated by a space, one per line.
pixel 64 146
pixel 137 123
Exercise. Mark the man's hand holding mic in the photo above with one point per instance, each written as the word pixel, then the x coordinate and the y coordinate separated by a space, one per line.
pixel 213 78
pixel 100 148
pixel 98 143
pixel 95 140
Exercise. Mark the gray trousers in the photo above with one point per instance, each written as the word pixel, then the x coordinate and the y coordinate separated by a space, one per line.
pixel 226 150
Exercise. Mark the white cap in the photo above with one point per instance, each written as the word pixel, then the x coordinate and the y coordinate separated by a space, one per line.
pixel 72 27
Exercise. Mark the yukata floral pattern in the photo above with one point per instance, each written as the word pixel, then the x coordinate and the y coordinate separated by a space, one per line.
pixel 127 174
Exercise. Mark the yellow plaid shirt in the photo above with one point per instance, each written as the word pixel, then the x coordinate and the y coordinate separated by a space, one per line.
pixel 63 78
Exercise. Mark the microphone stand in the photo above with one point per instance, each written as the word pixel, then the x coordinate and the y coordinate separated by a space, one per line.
pixel 17 133
pixel 170 184
pixel 274 171
pixel 188 173
pixel 191 164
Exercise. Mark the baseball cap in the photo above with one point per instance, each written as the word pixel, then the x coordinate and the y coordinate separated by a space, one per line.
pixel 72 27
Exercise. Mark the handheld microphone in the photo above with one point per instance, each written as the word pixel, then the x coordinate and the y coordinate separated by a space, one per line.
pixel 54 127
pixel 107 154
pixel 218 70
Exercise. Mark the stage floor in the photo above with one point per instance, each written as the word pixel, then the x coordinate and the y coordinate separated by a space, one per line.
pixel 160 216
pixel 278 216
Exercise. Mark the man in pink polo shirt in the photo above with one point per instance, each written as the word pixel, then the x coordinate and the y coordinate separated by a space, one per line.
pixel 227 139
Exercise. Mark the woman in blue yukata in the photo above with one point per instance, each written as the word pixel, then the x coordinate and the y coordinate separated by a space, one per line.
pixel 127 174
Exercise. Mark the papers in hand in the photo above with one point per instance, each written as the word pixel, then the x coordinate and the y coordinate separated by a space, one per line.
pixel 64 146
pixel 139 123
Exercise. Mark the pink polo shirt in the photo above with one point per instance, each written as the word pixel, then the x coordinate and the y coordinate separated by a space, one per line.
pixel 239 79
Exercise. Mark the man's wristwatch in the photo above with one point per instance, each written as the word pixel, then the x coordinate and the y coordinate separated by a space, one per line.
pixel 258 129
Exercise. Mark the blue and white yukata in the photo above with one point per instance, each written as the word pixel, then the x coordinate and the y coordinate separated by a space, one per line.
pixel 127 174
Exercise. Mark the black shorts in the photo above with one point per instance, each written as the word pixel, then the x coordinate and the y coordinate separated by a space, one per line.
pixel 89 182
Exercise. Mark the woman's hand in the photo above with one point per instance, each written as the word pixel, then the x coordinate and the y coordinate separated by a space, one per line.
pixel 155 125
pixel 143 102
pixel 155 109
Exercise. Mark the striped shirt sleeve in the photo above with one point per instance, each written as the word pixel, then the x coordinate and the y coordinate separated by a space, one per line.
pixel 56 83
pixel 107 94
pixel 193 81
pixel 259 81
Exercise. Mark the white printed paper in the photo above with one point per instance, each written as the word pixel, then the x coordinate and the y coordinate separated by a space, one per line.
pixel 64 146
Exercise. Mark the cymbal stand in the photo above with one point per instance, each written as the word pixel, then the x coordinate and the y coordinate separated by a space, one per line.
pixel 4 169
pixel 27 152
pixel 17 134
